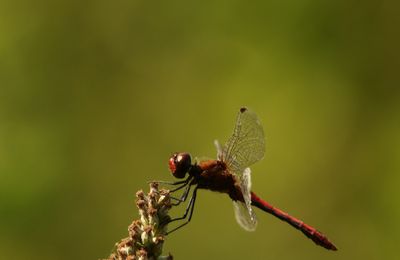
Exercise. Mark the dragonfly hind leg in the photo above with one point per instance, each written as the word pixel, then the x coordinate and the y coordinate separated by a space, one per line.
pixel 188 211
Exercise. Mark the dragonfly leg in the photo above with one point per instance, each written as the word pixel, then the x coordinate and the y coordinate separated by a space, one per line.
pixel 183 197
pixel 173 183
pixel 189 210
pixel 180 187
pixel 181 183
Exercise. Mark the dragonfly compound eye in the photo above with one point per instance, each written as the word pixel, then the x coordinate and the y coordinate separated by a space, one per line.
pixel 179 164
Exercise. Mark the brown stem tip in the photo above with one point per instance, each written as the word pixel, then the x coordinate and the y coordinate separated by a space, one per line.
pixel 146 234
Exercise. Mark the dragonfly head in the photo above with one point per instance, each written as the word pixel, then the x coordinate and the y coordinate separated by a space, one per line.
pixel 179 164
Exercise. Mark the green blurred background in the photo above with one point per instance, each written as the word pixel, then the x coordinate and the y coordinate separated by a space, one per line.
pixel 96 95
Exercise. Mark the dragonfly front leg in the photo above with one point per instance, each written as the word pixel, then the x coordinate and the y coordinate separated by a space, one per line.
pixel 183 197
pixel 173 183
pixel 184 183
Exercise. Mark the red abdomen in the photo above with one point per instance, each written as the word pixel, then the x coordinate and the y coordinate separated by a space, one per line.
pixel 316 236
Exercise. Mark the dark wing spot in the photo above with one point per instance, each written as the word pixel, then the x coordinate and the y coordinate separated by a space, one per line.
pixel 243 109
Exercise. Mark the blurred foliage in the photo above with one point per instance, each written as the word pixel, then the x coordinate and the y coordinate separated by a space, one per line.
pixel 95 96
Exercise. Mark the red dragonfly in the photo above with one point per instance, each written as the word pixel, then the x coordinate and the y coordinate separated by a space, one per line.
pixel 230 174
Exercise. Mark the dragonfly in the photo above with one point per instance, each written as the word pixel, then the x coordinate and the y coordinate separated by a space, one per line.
pixel 230 174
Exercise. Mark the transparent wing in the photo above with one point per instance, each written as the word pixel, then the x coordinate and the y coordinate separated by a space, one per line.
pixel 244 214
pixel 219 149
pixel 246 145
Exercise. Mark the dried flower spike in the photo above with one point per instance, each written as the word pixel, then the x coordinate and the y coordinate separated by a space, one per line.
pixel 147 234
